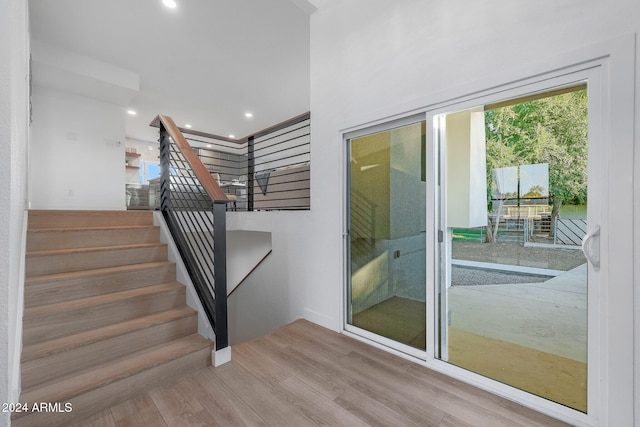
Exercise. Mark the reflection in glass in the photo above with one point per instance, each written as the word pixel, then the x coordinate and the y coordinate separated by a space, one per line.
pixel 387 232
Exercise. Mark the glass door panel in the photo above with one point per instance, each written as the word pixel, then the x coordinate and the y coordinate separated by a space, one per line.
pixel 513 283
pixel 386 289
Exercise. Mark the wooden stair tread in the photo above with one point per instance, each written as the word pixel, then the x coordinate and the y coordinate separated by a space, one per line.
pixel 80 218
pixel 104 317
pixel 47 348
pixel 44 310
pixel 42 239
pixel 62 260
pixel 65 389
pixel 92 249
pixel 53 288
pixel 48 278
pixel 75 229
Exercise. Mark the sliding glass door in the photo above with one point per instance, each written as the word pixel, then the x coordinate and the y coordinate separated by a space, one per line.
pixel 499 250
pixel 510 201
pixel 515 210
pixel 386 232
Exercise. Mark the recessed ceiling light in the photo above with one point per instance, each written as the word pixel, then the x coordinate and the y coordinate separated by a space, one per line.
pixel 188 126
pixel 248 115
pixel 231 135
pixel 131 112
pixel 171 4
pixel 208 145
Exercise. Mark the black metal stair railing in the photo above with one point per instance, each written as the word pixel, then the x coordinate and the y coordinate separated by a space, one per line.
pixel 268 170
pixel 194 208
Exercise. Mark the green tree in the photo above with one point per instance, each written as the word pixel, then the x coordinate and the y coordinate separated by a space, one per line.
pixel 534 191
pixel 550 130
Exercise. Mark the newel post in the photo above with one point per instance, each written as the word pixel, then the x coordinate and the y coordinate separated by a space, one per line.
pixel 223 351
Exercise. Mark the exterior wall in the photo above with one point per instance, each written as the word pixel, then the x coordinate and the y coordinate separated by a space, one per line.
pixel 14 129
pixel 466 170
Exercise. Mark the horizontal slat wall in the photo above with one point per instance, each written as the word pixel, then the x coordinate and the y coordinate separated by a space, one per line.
pixel 282 164
pixel 271 174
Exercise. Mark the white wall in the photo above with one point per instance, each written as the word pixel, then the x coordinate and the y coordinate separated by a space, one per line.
pixel 68 71
pixel 373 59
pixel 14 54
pixel 77 151
pixel 271 296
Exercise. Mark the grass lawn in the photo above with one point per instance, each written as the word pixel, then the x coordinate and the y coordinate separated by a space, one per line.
pixel 465 234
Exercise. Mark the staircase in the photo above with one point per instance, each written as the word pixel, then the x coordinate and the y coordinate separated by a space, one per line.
pixel 104 316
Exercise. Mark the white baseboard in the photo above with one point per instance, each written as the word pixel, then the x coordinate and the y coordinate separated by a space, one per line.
pixel 321 319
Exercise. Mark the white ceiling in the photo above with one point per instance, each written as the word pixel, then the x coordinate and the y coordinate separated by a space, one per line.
pixel 206 63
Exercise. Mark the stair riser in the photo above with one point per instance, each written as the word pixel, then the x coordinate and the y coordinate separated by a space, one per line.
pixel 118 391
pixel 101 367
pixel 58 365
pixel 37 265
pixel 74 219
pixel 69 238
pixel 84 286
pixel 59 324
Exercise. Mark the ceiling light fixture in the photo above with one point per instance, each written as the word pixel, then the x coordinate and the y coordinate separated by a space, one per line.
pixel 171 4
pixel 248 115
pixel 188 126
pixel 131 112
pixel 208 145
pixel 231 135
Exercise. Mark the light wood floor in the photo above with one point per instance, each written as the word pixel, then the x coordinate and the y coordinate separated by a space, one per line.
pixel 305 375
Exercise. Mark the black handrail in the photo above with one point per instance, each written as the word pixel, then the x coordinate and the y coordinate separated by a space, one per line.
pixel 194 208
